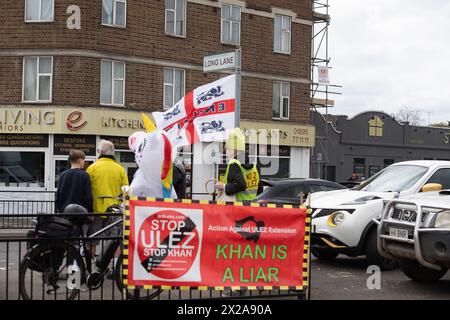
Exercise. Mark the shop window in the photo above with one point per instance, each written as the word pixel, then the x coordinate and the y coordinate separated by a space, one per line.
pixel 173 87
pixel 39 10
pixel 176 18
pixel 231 24
pixel 282 34
pixel 442 176
pixel 22 169
pixel 330 173
pixel 373 170
pixel 271 163
pixel 112 85
pixel 359 167
pixel 388 162
pixel 37 79
pixel 281 100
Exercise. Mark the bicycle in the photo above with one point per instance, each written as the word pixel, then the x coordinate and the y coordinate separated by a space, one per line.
pixel 50 257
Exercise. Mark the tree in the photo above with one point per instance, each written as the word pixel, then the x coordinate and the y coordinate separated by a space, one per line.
pixel 413 116
pixel 440 124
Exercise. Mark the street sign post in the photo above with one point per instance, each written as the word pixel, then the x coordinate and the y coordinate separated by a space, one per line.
pixel 220 61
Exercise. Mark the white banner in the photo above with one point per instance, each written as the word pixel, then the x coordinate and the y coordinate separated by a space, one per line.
pixel 324 78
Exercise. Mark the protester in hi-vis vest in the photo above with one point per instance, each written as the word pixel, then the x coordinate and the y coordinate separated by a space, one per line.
pixel 241 180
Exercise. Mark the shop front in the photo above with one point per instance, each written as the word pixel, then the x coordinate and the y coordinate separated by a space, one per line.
pixel 35 142
pixel 280 150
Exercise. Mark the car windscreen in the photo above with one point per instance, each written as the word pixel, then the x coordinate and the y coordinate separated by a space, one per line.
pixel 393 179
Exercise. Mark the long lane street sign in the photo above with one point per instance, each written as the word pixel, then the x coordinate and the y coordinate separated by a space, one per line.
pixel 221 61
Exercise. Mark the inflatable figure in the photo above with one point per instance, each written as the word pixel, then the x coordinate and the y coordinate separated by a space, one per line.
pixel 153 155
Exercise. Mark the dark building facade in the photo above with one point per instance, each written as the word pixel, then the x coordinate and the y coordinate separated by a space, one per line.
pixel 371 141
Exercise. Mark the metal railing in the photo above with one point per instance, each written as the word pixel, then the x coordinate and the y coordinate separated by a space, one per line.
pixel 14 281
pixel 18 209
pixel 20 203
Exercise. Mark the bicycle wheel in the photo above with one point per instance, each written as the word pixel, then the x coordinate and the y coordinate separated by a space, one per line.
pixel 133 294
pixel 51 271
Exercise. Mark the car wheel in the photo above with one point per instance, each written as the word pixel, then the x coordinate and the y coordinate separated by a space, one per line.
pixel 324 254
pixel 372 255
pixel 417 272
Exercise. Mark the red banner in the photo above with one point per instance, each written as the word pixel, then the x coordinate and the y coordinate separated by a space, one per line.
pixel 209 245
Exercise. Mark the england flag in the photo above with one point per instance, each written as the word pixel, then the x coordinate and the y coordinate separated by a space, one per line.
pixel 206 114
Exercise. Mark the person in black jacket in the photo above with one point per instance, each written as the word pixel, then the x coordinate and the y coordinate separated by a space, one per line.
pixel 74 185
pixel 179 180
pixel 235 182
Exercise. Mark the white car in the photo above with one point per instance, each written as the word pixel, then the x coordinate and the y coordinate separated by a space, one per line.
pixel 342 221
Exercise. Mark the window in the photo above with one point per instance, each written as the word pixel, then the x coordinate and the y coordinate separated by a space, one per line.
pixel 39 10
pixel 112 87
pixel 321 187
pixel 294 192
pixel 37 79
pixel 281 97
pixel 231 24
pixel 393 179
pixel 22 169
pixel 376 127
pixel 442 176
pixel 176 18
pixel 359 167
pixel 282 36
pixel 273 164
pixel 114 13
pixel 173 87
pixel 373 170
pixel 388 162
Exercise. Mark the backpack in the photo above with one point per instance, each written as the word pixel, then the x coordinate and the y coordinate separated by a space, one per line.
pixel 47 230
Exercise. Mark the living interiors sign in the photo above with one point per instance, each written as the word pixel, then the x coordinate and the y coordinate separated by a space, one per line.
pixel 203 245
pixel 65 120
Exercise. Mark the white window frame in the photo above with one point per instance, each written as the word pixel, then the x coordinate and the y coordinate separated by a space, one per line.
pixel 175 21
pixel 231 24
pixel 183 90
pixel 40 13
pixel 37 80
pixel 113 62
pixel 114 24
pixel 289 50
pixel 283 116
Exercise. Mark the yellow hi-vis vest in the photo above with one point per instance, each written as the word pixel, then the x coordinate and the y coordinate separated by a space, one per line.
pixel 251 177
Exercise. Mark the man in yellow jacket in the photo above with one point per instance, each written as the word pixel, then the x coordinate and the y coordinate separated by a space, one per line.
pixel 107 178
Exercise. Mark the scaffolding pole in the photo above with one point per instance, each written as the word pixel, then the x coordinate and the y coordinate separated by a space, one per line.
pixel 320 94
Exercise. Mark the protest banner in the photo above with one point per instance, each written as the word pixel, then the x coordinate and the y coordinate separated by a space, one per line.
pixel 220 246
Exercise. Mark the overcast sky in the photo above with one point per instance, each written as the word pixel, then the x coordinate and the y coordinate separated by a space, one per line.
pixel 391 53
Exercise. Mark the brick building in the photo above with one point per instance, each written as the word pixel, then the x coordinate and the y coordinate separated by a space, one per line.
pixel 74 71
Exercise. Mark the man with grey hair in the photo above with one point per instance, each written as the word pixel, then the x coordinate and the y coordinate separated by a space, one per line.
pixel 107 178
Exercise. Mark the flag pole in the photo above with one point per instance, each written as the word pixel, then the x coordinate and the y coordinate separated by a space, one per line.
pixel 238 73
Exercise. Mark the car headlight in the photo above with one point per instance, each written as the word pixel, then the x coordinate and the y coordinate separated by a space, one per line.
pixel 336 218
pixel 443 220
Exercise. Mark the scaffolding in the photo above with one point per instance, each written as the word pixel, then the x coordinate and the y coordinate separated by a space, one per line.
pixel 320 93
